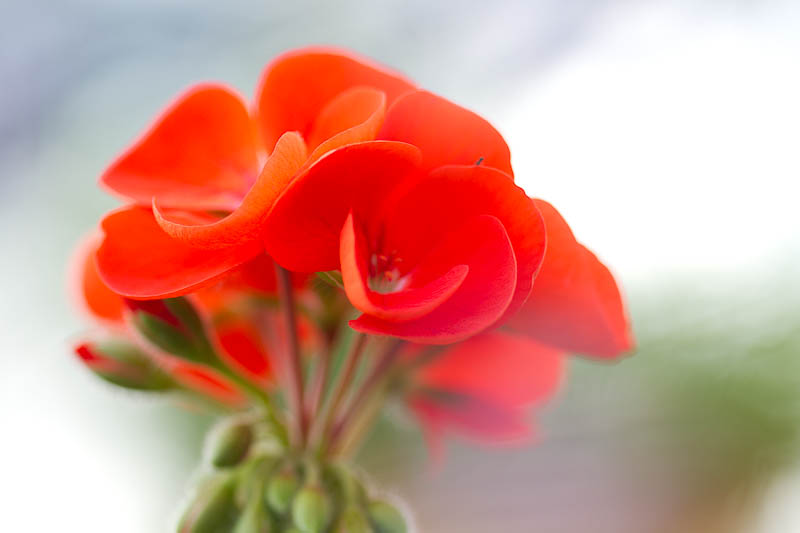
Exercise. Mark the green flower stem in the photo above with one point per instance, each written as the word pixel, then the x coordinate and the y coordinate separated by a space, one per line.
pixel 296 386
pixel 264 399
pixel 342 385
pixel 372 386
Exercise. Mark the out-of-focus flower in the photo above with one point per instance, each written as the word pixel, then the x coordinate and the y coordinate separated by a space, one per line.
pixel 483 388
pixel 575 304
pixel 201 180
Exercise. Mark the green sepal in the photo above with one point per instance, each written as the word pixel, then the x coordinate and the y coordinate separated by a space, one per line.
pixel 213 509
pixel 281 490
pixel 385 518
pixel 124 364
pixel 254 518
pixel 187 340
pixel 352 520
pixel 230 444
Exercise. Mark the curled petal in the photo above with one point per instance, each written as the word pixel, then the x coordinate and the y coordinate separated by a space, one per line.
pixel 296 86
pixel 412 301
pixel 483 245
pixel 245 222
pixel 353 116
pixel 450 195
pixel 201 153
pixel 446 133
pixel 575 303
pixel 302 229
pixel 138 260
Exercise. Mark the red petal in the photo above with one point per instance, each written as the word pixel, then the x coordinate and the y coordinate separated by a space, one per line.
pixel 91 293
pixel 451 195
pixel 354 116
pixel 480 421
pixel 243 347
pixel 203 380
pixel 302 230
pixel 138 260
pixel 498 368
pixel 446 133
pixel 411 302
pixel 575 303
pixel 296 86
pixel 245 222
pixel 483 245
pixel 201 153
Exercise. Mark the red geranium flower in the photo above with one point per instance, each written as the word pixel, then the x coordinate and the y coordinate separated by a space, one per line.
pixel 236 337
pixel 202 182
pixel 484 388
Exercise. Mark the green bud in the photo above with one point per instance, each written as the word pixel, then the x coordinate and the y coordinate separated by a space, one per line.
pixel 213 509
pixel 281 490
pixel 230 444
pixel 386 518
pixel 352 520
pixel 311 510
pixel 173 325
pixel 254 519
pixel 351 489
pixel 124 364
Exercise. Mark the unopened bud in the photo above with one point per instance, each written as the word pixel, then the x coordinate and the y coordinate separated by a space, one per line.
pixel 281 490
pixel 231 444
pixel 311 510
pixel 124 364
pixel 386 518
pixel 173 326
pixel 352 520
pixel 213 508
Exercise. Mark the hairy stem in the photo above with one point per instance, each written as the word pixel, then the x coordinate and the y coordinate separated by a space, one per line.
pixel 371 385
pixel 295 364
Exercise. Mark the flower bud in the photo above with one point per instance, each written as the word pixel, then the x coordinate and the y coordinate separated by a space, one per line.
pixel 311 510
pixel 213 508
pixel 386 518
pixel 230 444
pixel 173 326
pixel 123 364
pixel 281 490
pixel 352 520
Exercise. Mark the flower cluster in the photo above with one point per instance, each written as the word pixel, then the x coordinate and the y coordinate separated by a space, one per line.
pixel 385 223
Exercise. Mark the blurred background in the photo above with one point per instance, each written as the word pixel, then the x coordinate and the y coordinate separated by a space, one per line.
pixel 665 131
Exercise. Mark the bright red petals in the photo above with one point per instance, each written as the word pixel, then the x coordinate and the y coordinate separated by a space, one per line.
pixel 89 290
pixel 412 301
pixel 296 87
pixel 242 345
pixel 302 230
pixel 201 153
pixel 498 367
pixel 354 116
pixel 245 222
pixel 481 244
pixel 138 260
pixel 575 303
pixel 448 197
pixel 446 133
pixel 482 388
pixel 203 380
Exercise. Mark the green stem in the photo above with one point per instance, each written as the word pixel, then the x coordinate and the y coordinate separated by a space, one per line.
pixel 371 385
pixel 273 417
pixel 345 378
pixel 286 295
